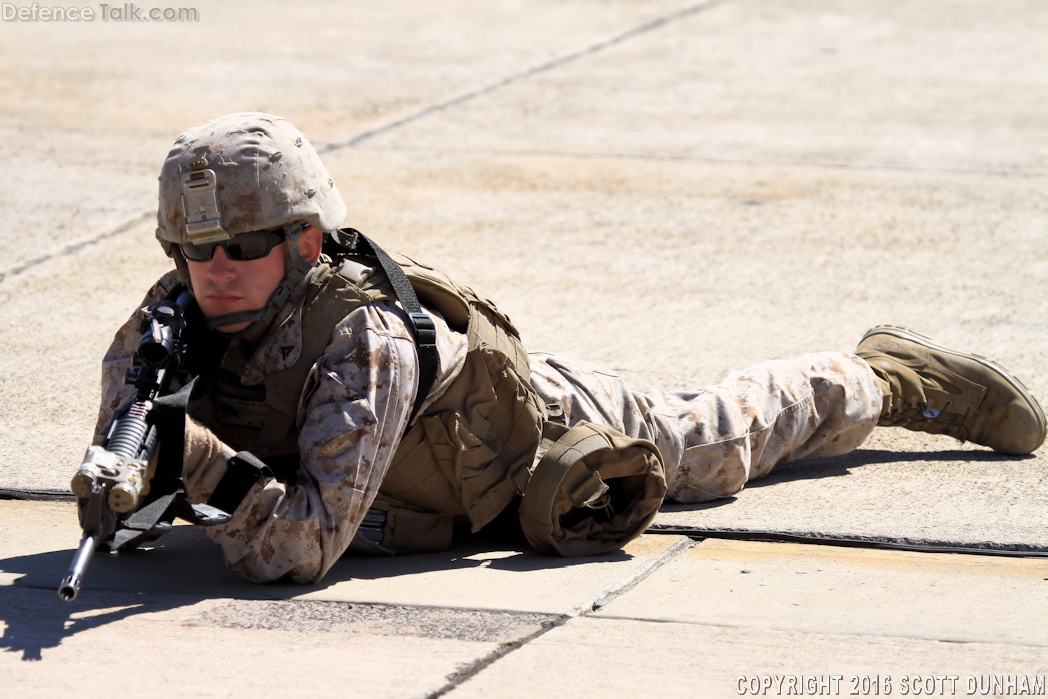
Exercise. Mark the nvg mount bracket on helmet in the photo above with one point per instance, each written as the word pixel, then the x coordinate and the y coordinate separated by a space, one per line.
pixel 200 201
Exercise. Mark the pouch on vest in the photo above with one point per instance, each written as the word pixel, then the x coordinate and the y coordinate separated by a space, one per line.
pixel 471 450
pixel 388 529
pixel 593 491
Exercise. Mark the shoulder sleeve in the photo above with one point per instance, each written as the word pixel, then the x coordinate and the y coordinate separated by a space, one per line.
pixel 117 359
pixel 354 407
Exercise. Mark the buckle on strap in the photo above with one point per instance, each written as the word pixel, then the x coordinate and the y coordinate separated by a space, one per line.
pixel 426 344
pixel 425 329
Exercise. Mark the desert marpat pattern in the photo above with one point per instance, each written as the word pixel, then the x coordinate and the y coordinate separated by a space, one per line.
pixel 716 439
pixel 358 397
pixel 355 406
pixel 267 172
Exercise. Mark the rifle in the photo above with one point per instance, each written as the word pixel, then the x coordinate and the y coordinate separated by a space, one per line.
pixel 113 479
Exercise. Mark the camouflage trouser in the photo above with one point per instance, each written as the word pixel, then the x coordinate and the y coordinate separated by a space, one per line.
pixel 716 439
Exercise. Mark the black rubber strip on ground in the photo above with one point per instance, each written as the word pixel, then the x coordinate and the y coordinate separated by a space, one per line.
pixel 38 495
pixel 919 546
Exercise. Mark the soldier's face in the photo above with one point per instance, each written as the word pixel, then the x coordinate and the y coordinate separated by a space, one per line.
pixel 224 286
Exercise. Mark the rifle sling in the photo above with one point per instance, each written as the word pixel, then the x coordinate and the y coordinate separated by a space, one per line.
pixel 166 498
pixel 422 325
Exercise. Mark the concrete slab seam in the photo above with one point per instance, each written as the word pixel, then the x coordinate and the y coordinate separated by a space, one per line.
pixel 632 579
pixel 440 106
pixel 668 158
pixel 472 669
pixel 520 75
pixel 791 629
pixel 603 597
pixel 887 543
pixel 74 246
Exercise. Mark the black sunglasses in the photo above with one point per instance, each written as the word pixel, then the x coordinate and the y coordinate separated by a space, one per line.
pixel 245 246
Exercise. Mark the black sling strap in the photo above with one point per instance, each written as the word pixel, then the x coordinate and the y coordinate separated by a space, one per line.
pixel 421 324
pixel 166 499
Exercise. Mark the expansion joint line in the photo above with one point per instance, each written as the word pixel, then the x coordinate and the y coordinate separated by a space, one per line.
pixel 520 75
pixel 602 598
pixel 440 106
pixel 458 677
pixel 74 246
pixel 889 543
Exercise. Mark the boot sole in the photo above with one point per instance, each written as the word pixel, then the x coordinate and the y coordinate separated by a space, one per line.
pixel 907 334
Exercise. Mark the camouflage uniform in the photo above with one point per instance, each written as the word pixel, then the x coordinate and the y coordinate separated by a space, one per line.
pixel 356 402
pixel 717 438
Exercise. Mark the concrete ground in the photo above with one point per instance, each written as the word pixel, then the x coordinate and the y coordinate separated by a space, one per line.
pixel 671 189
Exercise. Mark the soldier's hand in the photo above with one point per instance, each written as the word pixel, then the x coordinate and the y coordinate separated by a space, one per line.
pixel 204 461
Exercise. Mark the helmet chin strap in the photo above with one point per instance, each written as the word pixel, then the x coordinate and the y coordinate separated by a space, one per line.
pixel 260 318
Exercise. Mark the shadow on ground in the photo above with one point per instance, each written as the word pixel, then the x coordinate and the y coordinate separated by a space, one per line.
pixel 184 568
pixel 185 558
pixel 30 625
pixel 843 465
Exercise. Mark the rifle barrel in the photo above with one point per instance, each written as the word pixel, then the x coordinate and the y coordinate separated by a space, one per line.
pixel 70 586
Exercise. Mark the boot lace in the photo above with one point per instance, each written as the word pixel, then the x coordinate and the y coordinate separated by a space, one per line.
pixel 927 418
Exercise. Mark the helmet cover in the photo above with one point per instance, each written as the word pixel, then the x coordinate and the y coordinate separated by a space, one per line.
pixel 266 174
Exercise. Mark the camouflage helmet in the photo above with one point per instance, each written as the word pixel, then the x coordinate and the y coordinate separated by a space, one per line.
pixel 239 173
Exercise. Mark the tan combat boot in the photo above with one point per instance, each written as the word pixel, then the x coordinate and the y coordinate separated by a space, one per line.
pixel 930 388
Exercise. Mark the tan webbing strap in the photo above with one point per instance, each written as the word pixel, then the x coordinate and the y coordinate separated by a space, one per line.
pixel 593 491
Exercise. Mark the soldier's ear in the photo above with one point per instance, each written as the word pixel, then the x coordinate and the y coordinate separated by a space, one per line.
pixel 310 240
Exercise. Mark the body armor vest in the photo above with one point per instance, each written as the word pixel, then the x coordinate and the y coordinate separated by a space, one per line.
pixel 469 453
